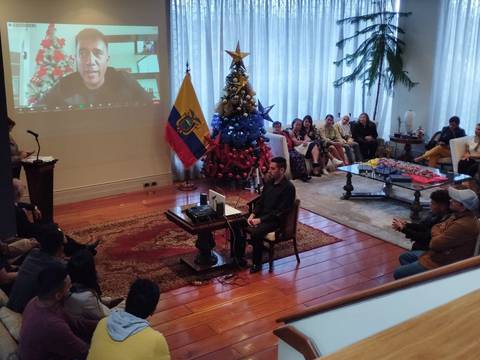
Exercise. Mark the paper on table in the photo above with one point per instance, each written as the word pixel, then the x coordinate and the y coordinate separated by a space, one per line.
pixel 32 158
pixel 230 210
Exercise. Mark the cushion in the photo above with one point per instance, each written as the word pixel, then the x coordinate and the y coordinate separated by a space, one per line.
pixel 3 298
pixel 12 321
pixel 8 346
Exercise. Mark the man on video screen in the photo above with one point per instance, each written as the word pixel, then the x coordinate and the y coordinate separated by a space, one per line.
pixel 94 82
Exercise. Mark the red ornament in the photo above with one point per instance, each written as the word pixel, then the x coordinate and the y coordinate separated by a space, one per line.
pixel 219 175
pixel 42 71
pixel 39 57
pixel 61 42
pixel 238 177
pixel 57 72
pixel 230 175
pixel 264 169
pixel 46 43
pixel 245 174
pixel 58 56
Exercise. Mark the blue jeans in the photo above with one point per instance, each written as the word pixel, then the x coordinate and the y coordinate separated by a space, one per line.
pixel 409 264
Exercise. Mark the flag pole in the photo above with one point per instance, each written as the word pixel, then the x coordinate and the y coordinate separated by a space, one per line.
pixel 186 185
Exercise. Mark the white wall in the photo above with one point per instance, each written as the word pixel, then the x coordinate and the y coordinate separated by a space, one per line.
pixel 100 152
pixel 420 38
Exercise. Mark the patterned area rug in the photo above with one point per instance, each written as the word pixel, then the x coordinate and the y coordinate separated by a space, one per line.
pixel 151 246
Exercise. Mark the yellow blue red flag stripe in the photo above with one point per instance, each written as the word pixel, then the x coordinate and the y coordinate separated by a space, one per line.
pixel 186 130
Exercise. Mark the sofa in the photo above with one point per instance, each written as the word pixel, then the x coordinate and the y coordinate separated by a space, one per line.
pixel 457 150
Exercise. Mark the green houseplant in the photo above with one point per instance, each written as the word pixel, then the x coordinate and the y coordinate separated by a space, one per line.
pixel 378 59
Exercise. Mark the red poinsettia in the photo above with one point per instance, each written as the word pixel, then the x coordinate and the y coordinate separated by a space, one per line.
pixel 40 56
pixel 58 56
pixel 46 43
pixel 41 71
pixel 61 42
pixel 57 72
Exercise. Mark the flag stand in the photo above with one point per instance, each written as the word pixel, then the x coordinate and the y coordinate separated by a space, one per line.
pixel 187 185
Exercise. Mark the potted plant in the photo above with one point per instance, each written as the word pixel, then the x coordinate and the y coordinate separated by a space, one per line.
pixel 378 59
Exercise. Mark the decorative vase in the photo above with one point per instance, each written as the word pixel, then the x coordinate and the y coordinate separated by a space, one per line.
pixel 409 119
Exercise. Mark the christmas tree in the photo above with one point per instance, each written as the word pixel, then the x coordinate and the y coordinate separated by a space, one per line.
pixel 238 142
pixel 52 64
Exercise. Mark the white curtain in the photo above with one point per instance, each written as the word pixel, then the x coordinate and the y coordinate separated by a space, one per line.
pixel 456 82
pixel 292 45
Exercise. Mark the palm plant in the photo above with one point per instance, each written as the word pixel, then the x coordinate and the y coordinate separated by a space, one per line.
pixel 378 59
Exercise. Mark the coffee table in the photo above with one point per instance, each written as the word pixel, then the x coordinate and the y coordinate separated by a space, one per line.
pixel 387 193
pixel 206 258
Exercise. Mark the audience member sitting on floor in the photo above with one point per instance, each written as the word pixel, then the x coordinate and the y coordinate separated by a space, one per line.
pixel 51 252
pixel 85 294
pixel 28 229
pixel 333 139
pixel 297 160
pixel 420 233
pixel 452 240
pixel 127 334
pixel 442 149
pixel 308 129
pixel 364 132
pixel 305 146
pixel 351 147
pixel 470 160
pixel 47 331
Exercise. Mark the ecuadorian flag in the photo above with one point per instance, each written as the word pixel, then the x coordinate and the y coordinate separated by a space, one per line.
pixel 186 131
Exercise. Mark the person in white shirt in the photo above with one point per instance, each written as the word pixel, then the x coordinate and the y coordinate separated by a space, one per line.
pixel 351 147
pixel 471 158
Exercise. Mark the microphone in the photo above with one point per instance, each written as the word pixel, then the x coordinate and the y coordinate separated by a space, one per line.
pixel 37 161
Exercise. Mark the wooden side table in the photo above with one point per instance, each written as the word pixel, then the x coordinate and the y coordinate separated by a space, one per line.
pixel 407 149
pixel 206 258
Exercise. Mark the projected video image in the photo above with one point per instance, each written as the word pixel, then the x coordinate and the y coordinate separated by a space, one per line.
pixel 69 66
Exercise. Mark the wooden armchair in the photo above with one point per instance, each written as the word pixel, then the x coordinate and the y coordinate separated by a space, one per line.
pixel 287 231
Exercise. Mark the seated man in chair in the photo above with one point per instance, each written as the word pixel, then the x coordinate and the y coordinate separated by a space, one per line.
pixel 271 208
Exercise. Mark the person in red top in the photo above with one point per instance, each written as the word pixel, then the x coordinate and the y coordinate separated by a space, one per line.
pixel 47 331
pixel 297 160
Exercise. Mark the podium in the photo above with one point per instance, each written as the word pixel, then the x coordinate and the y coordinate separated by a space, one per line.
pixel 40 185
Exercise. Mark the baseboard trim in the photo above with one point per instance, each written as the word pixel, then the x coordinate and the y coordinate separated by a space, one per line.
pixel 70 195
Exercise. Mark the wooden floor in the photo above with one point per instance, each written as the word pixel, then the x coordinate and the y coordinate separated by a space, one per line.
pixel 235 321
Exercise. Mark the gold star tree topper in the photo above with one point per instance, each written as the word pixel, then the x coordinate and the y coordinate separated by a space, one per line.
pixel 237 55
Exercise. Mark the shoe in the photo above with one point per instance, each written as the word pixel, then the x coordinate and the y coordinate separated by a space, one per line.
pixel 305 178
pixel 255 268
pixel 325 172
pixel 337 162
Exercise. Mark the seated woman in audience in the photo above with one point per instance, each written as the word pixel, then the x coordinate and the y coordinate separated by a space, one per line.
pixel 305 146
pixel 308 129
pixel 84 299
pixel 351 147
pixel 333 139
pixel 470 160
pixel 442 149
pixel 364 132
pixel 297 160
